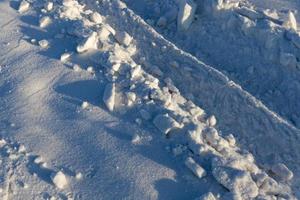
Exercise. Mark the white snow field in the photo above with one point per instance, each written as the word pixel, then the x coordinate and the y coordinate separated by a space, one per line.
pixel 141 99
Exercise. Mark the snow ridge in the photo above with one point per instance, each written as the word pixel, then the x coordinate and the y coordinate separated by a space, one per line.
pixel 137 81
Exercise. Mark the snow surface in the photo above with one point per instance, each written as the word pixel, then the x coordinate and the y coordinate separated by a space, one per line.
pixel 109 100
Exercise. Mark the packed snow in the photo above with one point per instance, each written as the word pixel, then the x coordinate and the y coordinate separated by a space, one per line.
pixel 169 99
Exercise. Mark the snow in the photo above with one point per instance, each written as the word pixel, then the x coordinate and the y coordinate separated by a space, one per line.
pixel 96 103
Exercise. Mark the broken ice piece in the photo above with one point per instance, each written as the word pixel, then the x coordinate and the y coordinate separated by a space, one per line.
pixel 123 38
pixel 282 172
pixel 90 42
pixel 187 9
pixel 59 179
pixel 23 7
pixel 165 123
pixel 44 21
pixel 43 43
pixel 109 96
pixel 194 167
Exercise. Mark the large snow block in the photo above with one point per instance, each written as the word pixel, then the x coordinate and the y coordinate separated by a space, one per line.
pixel 187 9
pixel 237 181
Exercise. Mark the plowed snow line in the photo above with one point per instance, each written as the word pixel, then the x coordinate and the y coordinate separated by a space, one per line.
pixel 238 111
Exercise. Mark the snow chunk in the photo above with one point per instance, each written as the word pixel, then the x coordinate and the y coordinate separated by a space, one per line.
pixel 208 196
pixel 43 43
pixel 48 6
pixel 131 97
pixel 282 172
pixel 162 22
pixel 136 71
pixel 187 9
pixel 2 143
pixel 237 181
pixel 212 121
pixel 24 6
pixel 90 69
pixel 21 149
pixel 103 33
pixel 84 105
pixel 165 123
pixel 288 60
pixel 123 38
pixel 90 42
pixel 71 10
pixel 194 167
pixel 109 96
pixel 145 114
pixel 250 13
pixel 78 176
pixel 290 22
pixel 76 68
pixel 96 18
pixel 135 139
pixel 38 160
pixel 59 179
pixel 44 21
pixel 65 56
